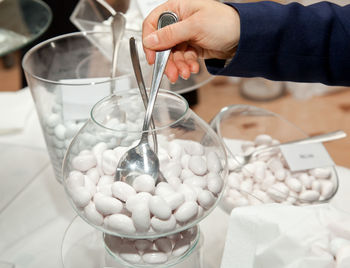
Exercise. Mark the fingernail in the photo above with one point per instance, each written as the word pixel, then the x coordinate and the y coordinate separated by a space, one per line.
pixel 151 40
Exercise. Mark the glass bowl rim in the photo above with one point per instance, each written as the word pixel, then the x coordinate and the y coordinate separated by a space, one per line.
pixel 162 92
pixel 56 38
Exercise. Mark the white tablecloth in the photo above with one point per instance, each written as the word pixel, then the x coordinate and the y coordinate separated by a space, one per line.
pixel 35 212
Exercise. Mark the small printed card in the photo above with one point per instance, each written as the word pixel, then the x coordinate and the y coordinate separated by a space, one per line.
pixel 146 6
pixel 78 100
pixel 306 156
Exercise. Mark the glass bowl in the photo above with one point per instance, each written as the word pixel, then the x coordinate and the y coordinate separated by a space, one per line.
pixel 192 160
pixel 267 177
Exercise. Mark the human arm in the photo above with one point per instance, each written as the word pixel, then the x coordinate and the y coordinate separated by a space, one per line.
pixel 291 43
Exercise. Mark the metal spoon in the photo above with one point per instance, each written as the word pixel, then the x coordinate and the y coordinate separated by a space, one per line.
pixel 330 136
pixel 142 159
pixel 141 84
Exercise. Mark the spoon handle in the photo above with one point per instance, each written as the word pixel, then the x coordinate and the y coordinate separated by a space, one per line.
pixel 118 26
pixel 335 135
pixel 165 19
pixel 141 84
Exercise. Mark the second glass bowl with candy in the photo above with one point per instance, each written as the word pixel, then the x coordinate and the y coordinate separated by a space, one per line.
pixel 267 178
pixel 192 162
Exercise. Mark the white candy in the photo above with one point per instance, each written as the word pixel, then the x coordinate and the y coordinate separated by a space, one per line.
pixel 105 189
pixel 172 169
pixel 133 200
pixel 213 162
pixel 274 164
pixel 99 148
pixel 105 180
pixel 186 211
pixel 122 190
pixel 247 185
pixel 174 200
pixel 175 150
pixel 163 189
pixel 60 131
pixel 93 174
pixel 263 139
pixel 80 196
pixel 280 174
pixel 327 189
pixel 184 161
pixel 181 246
pixel 75 179
pixel 278 192
pixel 53 120
pixel 196 181
pixel 141 217
pixel 232 164
pixel 309 196
pixel 120 223
pixel 186 173
pixel 84 162
pixel 321 173
pixel 89 185
pixel 159 207
pixel 194 148
pixel 174 182
pixel 92 214
pixel 129 254
pixel 248 170
pixel 107 205
pixel 109 162
pixel 206 199
pixel 215 184
pixel 306 180
pixel 143 244
pixel 144 183
pixel 197 165
pixel 154 257
pixel 294 184
pixel 163 226
pixel 188 192
pixel 234 180
pixel 316 186
pixel 164 244
pixel 259 173
pixel 247 145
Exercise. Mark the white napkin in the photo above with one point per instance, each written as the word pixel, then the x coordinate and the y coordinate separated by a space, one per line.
pixel 280 236
pixel 15 108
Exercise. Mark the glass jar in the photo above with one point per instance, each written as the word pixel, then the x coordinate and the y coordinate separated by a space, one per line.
pixel 267 178
pixel 67 75
pixel 192 160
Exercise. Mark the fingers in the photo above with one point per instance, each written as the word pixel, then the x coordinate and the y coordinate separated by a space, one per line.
pixel 168 36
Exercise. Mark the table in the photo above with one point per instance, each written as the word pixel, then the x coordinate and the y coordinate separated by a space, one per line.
pixel 35 212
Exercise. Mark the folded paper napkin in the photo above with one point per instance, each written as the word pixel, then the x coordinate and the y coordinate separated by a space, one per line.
pixel 15 107
pixel 281 236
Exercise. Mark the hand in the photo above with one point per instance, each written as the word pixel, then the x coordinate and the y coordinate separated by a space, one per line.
pixel 206 29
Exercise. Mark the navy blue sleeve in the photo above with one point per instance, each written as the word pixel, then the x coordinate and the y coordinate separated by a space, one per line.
pixel 291 43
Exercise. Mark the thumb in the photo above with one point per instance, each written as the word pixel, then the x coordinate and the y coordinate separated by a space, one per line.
pixel 168 37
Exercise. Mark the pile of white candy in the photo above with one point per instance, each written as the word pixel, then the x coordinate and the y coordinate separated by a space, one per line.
pixel 59 132
pixel 193 184
pixel 156 251
pixel 267 178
